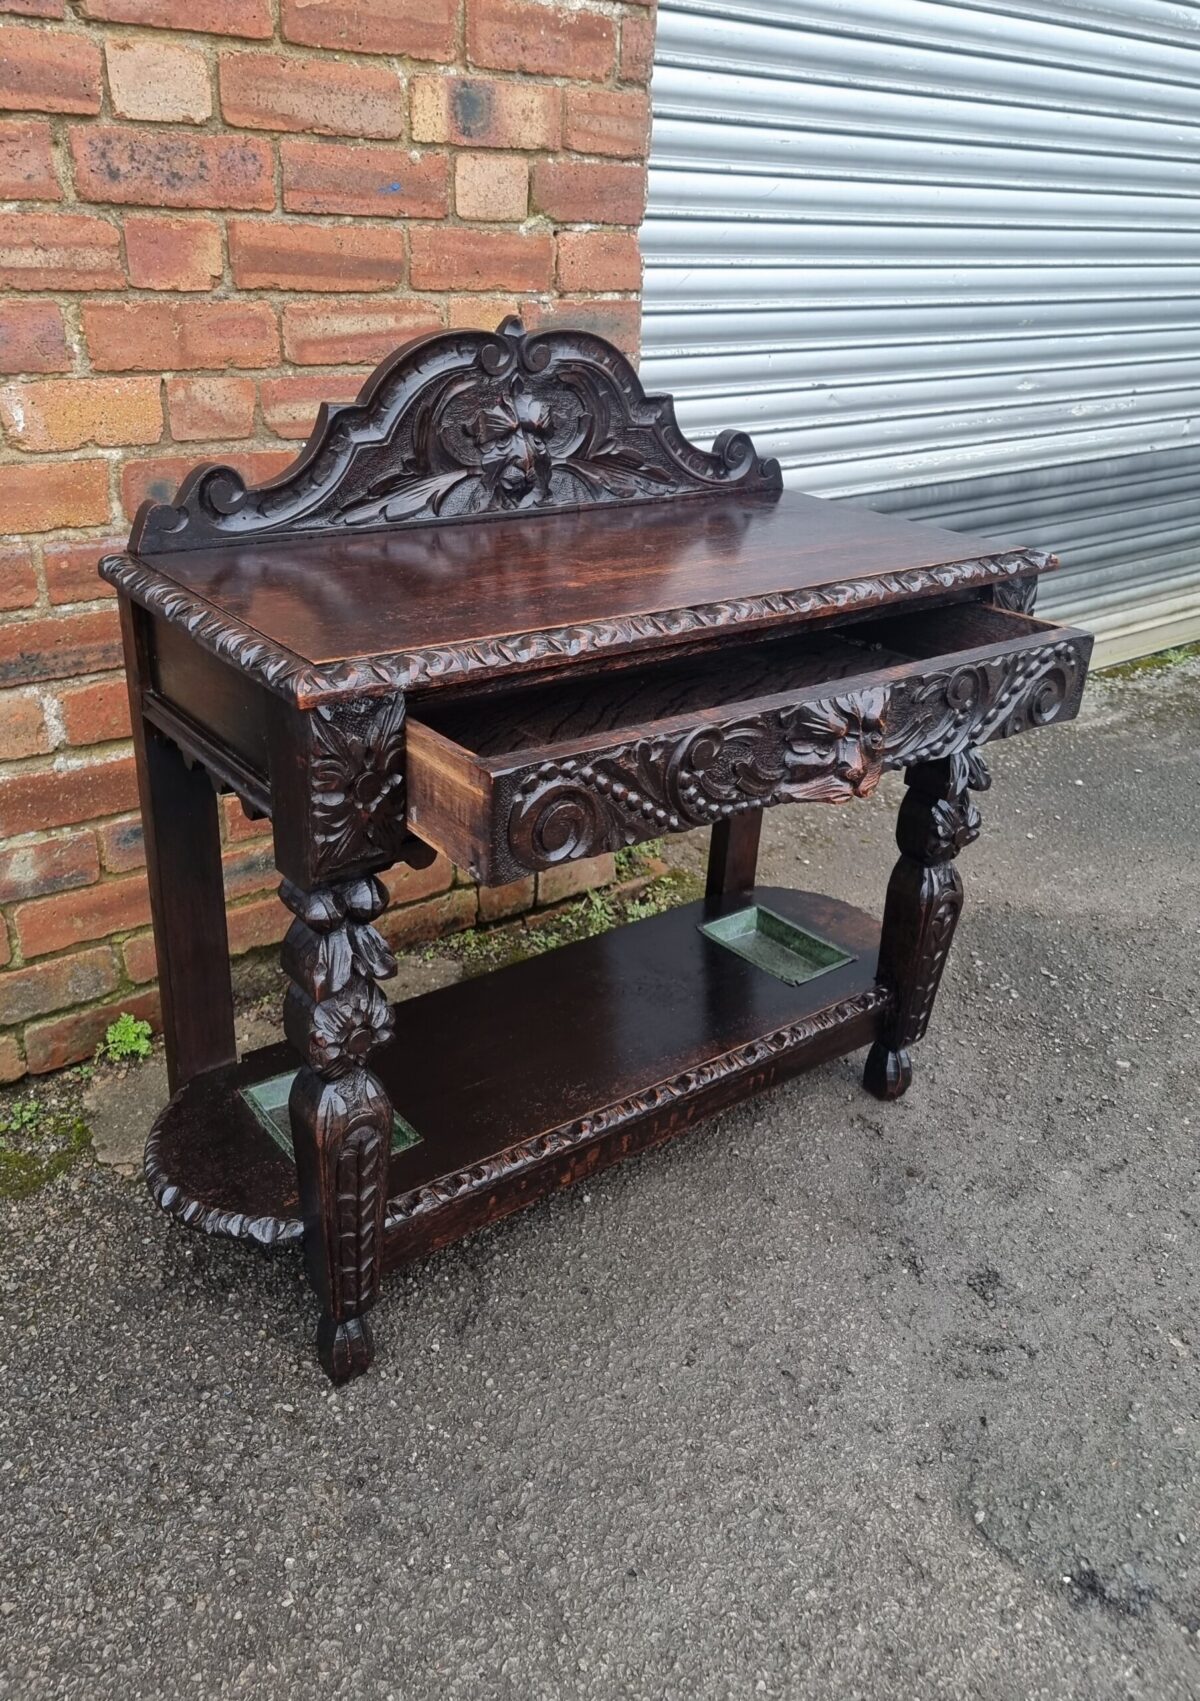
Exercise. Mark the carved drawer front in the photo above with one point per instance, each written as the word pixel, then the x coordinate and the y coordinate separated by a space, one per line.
pixel 514 781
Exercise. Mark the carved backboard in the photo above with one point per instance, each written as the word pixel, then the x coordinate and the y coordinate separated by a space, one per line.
pixel 466 425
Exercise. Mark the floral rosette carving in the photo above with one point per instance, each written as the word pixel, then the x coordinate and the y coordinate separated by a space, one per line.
pixel 357 778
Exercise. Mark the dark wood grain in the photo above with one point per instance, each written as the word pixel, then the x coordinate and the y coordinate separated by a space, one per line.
pixel 502 608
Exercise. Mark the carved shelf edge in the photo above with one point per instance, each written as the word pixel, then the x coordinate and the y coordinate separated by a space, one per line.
pixel 406 1208
pixel 466 425
pixel 306 685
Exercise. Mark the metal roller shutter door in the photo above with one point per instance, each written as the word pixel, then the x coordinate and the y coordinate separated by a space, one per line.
pixel 945 259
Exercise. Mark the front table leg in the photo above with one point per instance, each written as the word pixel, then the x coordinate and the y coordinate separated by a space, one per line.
pixel 924 899
pixel 341 1116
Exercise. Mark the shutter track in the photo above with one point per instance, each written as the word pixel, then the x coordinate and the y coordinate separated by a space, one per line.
pixel 945 259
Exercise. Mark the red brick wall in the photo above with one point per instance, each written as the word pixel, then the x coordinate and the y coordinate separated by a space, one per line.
pixel 214 214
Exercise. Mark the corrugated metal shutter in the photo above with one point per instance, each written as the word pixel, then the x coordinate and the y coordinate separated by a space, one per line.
pixel 946 259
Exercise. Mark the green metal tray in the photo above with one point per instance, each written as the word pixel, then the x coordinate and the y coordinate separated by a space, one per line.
pixel 774 944
pixel 269 1102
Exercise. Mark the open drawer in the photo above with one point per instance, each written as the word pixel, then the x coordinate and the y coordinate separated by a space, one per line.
pixel 527 778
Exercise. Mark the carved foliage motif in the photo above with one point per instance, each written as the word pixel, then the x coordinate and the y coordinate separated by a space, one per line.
pixel 334 1015
pixel 829 750
pixel 356 770
pixel 1017 595
pixel 461 424
pixel 948 711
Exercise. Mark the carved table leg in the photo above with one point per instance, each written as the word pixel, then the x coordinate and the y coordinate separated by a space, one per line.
pixel 733 853
pixel 341 1116
pixel 924 899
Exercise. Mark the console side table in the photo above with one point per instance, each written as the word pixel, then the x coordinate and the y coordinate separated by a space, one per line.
pixel 501 608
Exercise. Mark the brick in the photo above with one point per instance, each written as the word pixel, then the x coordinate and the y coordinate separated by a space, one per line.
pixel 56 924
pixel 458 258
pixel 372 182
pixel 158 479
pixel 263 91
pixel 59 647
pixel 35 8
pixel 162 81
pixel 336 257
pixel 73 1038
pixel 170 168
pixel 418 29
pixel 208 408
pixel 70 569
pixel 52 986
pixel 579 191
pixel 251 869
pixel 238 825
pixel 414 924
pixel 481 312
pixel 18 581
pixel 599 259
pixel 122 844
pixel 27 163
pixel 325 333
pixel 571 878
pixel 637 49
pixel 12 1063
pixel 49 865
pixel 23 730
pixel 97 713
pixel 5 945
pixel 56 493
pixel 548 40
pixel 262 921
pixel 290 404
pixel 411 885
pixel 607 121
pixel 172 336
pixel 66 413
pixel 491 186
pixel 167 253
pixel 48 71
pixel 482 112
pixel 249 18
pixel 616 321
pixel 140 958
pixel 496 902
pixel 57 797
pixel 59 251
pixel 33 337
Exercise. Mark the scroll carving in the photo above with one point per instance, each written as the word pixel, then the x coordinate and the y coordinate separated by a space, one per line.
pixel 829 750
pixel 335 1015
pixel 467 424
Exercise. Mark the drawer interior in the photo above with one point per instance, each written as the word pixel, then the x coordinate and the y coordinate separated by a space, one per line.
pixel 507 723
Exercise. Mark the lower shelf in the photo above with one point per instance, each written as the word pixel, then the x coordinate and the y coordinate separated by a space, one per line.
pixel 524 1080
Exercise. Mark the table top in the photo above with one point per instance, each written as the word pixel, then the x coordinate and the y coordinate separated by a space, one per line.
pixel 619 576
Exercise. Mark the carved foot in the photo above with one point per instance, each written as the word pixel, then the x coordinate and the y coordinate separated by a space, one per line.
pixel 887 1074
pixel 345 1349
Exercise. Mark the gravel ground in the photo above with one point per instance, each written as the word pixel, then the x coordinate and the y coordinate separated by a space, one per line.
pixel 828 1400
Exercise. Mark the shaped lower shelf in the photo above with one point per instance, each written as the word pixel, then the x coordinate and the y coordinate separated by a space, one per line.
pixel 524 1080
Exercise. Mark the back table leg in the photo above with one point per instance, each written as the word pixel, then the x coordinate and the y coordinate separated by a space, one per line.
pixel 187 893
pixel 924 900
pixel 733 854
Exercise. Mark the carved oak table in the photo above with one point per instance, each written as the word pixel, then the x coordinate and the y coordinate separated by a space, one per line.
pixel 501 608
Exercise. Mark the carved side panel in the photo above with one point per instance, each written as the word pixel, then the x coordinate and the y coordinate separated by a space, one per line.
pixel 335 1015
pixel 467 424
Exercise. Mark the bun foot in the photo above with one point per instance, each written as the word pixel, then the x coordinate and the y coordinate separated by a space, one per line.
pixel 345 1349
pixel 887 1074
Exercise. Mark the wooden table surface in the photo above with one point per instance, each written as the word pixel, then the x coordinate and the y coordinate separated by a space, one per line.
pixel 370 593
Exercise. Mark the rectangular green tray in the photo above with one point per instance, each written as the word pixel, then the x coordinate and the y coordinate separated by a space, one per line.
pixel 775 945
pixel 269 1102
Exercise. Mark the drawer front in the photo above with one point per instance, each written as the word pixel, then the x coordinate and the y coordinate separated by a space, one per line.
pixel 503 816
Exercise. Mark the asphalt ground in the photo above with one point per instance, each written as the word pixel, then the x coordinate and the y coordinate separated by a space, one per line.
pixel 828 1399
